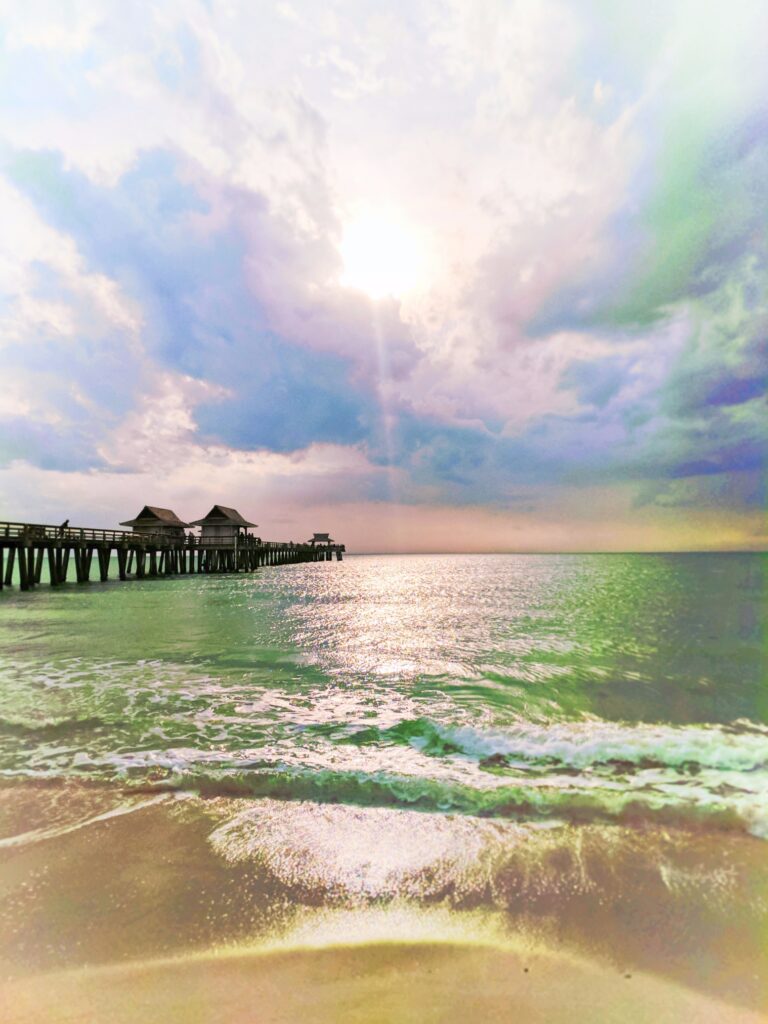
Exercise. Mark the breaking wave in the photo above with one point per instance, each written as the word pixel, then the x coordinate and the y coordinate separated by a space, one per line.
pixel 585 771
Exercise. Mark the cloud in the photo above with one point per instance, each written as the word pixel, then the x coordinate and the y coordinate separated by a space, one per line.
pixel 589 182
pixel 596 382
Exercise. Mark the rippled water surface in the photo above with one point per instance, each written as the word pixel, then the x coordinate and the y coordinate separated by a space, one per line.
pixel 542 688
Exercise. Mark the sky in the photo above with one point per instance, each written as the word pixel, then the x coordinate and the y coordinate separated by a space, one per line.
pixel 431 275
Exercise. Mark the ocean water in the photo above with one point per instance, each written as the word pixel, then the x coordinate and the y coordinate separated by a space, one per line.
pixel 526 689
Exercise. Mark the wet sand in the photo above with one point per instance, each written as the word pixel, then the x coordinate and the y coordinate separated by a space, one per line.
pixel 143 907
pixel 367 984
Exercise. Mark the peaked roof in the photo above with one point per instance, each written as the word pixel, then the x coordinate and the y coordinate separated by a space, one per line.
pixel 219 512
pixel 322 536
pixel 165 516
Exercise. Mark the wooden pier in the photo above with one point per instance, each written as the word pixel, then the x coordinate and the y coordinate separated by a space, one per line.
pixel 28 547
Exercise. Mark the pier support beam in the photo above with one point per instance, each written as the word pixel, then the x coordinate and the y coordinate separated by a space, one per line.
pixel 104 556
pixel 9 567
pixel 23 569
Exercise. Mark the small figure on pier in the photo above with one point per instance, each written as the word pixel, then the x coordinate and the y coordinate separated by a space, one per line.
pixel 63 527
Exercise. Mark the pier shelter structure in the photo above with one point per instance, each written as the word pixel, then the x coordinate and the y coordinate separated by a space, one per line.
pixel 325 546
pixel 160 521
pixel 320 538
pixel 223 525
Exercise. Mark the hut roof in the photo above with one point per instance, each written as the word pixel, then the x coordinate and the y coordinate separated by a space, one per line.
pixel 221 513
pixel 164 516
pixel 321 536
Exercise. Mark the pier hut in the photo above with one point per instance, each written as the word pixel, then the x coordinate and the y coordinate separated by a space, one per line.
pixel 222 526
pixel 324 547
pixel 161 521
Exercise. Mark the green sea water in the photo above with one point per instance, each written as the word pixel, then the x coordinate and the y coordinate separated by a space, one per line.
pixel 534 688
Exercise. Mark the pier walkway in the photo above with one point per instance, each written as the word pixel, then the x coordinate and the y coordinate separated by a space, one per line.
pixel 27 547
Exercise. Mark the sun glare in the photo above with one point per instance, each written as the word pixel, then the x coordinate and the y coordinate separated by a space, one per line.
pixel 382 255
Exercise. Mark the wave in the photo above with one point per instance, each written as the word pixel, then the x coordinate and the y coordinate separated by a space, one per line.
pixel 742 746
pixel 52 728
pixel 710 776
pixel 512 802
pixel 699 808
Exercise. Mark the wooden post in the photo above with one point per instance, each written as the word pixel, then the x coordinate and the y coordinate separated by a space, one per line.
pixel 9 569
pixel 38 555
pixel 2 558
pixel 52 567
pixel 122 555
pixel 23 570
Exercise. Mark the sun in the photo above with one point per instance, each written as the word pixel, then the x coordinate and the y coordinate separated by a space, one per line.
pixel 383 255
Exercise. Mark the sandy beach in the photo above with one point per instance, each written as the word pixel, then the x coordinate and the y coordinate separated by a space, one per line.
pixel 365 984
pixel 123 908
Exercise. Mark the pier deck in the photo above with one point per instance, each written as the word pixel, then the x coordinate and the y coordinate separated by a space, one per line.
pixel 26 547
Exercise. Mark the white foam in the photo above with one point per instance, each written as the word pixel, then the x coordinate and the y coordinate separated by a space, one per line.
pixel 590 742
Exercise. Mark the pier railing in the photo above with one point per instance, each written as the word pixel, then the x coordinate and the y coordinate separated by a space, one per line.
pixel 78 534
pixel 45 531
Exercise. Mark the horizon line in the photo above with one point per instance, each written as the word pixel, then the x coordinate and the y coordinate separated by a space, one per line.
pixel 584 551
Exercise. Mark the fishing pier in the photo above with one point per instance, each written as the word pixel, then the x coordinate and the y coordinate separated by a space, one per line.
pixel 156 546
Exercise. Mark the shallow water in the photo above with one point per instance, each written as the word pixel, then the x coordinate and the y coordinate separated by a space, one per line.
pixel 528 688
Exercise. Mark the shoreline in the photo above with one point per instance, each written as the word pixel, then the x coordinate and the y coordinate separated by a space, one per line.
pixel 100 883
